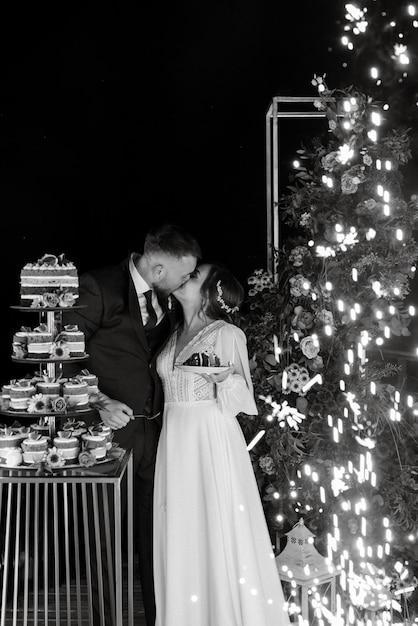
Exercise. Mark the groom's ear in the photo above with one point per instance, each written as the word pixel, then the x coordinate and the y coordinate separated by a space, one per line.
pixel 158 272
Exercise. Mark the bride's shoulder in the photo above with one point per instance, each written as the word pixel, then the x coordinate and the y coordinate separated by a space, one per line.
pixel 230 330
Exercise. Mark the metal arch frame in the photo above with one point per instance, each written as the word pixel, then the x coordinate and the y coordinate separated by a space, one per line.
pixel 272 162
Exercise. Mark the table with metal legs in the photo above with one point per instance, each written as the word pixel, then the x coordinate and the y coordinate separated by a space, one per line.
pixel 66 545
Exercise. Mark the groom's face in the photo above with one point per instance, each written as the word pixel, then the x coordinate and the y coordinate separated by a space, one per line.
pixel 175 273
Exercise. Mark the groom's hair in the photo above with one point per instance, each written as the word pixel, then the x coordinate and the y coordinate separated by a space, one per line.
pixel 172 240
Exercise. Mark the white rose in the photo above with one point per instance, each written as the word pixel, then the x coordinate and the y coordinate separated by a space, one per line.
pixel 309 348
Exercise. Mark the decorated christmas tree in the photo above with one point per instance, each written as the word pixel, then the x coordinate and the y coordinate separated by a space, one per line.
pixel 335 441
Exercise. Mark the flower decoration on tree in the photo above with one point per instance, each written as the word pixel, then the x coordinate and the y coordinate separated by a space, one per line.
pixel 315 329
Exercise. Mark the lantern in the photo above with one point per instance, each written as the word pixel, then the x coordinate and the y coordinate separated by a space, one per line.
pixel 304 568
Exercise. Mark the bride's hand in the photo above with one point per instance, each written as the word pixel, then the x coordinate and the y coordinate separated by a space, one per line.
pixel 219 378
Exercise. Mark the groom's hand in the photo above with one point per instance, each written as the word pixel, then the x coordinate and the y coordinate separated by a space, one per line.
pixel 113 413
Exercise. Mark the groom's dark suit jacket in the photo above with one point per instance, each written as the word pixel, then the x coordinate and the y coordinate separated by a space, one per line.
pixel 122 355
pixel 120 352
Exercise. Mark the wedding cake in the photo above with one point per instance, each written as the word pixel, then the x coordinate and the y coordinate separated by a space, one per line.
pixel 51 281
pixel 50 286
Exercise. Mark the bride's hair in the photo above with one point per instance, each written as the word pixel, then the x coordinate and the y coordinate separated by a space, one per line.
pixel 224 294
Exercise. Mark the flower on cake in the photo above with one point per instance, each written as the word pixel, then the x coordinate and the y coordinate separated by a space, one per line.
pixel 51 299
pixel 19 350
pixel 58 404
pixel 37 404
pixel 66 299
pixel 54 458
pixel 60 350
pixel 86 458
pixel 4 404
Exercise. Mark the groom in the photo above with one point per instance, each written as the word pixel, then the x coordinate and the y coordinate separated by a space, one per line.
pixel 126 319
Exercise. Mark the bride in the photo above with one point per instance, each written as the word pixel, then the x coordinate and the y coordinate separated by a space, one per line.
pixel 213 560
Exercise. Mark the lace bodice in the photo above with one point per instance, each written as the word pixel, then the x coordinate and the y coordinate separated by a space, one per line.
pixel 234 394
pixel 182 386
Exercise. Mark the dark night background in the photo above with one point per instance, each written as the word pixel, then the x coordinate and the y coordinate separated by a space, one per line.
pixel 115 116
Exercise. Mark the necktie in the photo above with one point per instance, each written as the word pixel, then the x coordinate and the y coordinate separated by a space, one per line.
pixel 152 316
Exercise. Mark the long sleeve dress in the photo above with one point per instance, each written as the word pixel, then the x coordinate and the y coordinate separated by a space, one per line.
pixel 213 559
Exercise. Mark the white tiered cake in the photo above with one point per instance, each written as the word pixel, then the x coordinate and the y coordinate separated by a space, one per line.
pixel 49 287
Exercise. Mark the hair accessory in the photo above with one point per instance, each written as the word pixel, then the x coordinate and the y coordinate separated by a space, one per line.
pixel 224 306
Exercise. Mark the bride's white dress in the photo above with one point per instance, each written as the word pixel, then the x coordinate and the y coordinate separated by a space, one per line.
pixel 214 563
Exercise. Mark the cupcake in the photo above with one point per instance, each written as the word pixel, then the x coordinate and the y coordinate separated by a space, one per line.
pixel 96 443
pixel 76 394
pixel 49 390
pixel 9 441
pixel 20 395
pixel 92 382
pixel 67 445
pixel 102 429
pixel 20 431
pixel 35 448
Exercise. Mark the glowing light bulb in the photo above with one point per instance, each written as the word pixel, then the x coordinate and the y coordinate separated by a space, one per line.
pixel 376 118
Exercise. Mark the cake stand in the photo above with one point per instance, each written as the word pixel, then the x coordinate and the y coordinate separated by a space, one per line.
pixel 53 367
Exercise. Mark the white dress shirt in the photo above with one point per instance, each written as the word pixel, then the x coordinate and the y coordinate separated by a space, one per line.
pixel 141 286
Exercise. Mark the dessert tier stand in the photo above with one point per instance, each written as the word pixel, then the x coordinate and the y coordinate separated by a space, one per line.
pixel 53 318
pixel 46 546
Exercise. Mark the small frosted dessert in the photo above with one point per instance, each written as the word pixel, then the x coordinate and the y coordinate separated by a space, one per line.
pixel 50 390
pixel 67 445
pixel 20 395
pixel 73 339
pixel 76 394
pixel 203 359
pixel 10 441
pixel 96 444
pixel 35 448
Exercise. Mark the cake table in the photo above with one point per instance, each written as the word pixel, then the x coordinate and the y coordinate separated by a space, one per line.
pixel 45 552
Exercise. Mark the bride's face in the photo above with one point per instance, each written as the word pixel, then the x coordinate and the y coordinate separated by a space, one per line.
pixel 190 293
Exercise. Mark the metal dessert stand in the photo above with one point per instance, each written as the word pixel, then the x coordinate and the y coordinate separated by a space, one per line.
pixel 59 551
